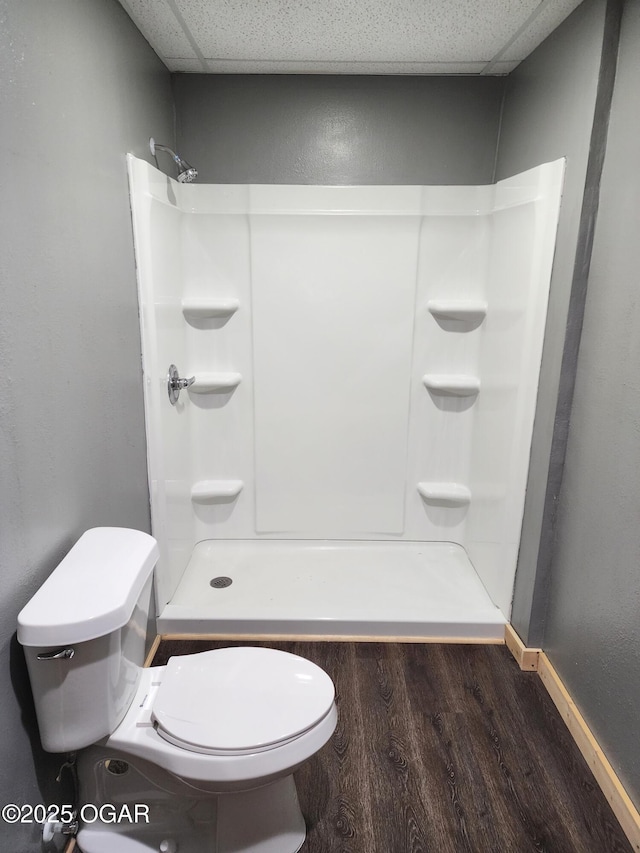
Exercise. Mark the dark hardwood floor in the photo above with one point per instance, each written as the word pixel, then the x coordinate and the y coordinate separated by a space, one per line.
pixel 442 749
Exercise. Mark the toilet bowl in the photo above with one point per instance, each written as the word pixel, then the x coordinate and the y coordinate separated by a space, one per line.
pixel 207 744
pixel 231 718
pixel 235 721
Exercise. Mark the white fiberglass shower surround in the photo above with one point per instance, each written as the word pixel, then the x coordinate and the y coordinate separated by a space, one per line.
pixel 353 451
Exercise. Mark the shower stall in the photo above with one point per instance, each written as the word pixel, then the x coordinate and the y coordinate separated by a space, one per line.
pixel 351 456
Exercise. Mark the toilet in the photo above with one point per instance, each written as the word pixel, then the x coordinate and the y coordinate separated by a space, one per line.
pixel 196 756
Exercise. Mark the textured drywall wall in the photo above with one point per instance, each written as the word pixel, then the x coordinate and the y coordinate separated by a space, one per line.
pixel 79 88
pixel 593 624
pixel 548 113
pixel 316 129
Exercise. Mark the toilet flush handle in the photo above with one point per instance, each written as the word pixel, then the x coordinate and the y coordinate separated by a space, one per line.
pixel 60 654
pixel 175 384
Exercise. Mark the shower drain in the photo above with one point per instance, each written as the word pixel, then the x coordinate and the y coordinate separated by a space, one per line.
pixel 221 582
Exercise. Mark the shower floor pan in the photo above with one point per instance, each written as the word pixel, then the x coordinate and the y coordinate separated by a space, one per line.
pixel 332 589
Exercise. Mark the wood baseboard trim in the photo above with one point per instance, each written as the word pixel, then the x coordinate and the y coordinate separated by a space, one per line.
pixel 535 660
pixel 526 658
pixel 333 638
pixel 606 777
pixel 152 651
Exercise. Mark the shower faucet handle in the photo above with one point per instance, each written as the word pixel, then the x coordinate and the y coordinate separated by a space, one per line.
pixel 183 383
pixel 175 384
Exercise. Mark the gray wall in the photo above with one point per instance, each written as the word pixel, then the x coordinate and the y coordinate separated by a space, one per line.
pixel 580 599
pixel 339 129
pixel 80 87
pixel 548 113
pixel 593 625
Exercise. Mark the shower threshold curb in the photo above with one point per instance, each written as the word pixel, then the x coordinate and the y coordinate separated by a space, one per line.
pixel 332 638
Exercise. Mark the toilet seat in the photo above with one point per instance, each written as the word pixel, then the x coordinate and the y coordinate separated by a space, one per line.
pixel 239 701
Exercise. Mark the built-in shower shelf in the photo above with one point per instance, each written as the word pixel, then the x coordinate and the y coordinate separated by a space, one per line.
pixel 465 310
pixel 209 383
pixel 213 491
pixel 203 308
pixel 448 494
pixel 451 385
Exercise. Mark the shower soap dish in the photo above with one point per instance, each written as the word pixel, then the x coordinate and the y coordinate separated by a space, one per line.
pixel 465 310
pixel 215 491
pixel 205 307
pixel 448 494
pixel 451 385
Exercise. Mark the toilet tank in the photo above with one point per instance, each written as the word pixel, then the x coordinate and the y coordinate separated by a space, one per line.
pixel 83 634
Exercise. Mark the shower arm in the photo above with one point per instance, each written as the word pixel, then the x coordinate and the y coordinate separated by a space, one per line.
pixel 186 173
pixel 155 146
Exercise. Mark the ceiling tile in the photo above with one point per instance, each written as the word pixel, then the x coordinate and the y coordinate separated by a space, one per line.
pixel 354 30
pixel 346 36
pixel 157 23
pixel 188 66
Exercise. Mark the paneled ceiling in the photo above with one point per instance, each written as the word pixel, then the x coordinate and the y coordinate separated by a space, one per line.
pixel 346 36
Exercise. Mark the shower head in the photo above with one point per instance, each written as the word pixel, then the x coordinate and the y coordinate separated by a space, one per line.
pixel 186 173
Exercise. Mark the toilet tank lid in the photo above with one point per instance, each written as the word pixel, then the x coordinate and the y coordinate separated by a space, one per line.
pixel 93 591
